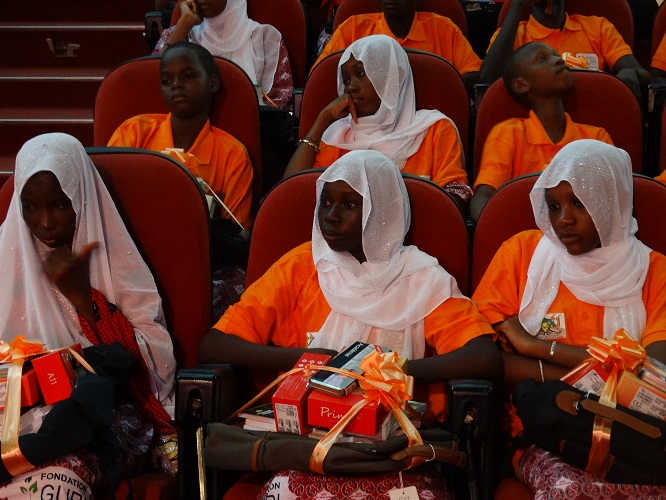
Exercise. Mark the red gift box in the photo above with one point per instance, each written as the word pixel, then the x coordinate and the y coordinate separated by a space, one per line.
pixel 325 411
pixel 289 401
pixel 30 394
pixel 57 373
pixel 591 379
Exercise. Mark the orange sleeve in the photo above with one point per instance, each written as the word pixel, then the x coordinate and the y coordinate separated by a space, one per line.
pixel 610 43
pixel 501 288
pixel 501 149
pixel 659 57
pixel 327 155
pixel 269 310
pixel 603 136
pixel 654 292
pixel 128 134
pixel 464 59
pixel 453 323
pixel 661 177
pixel 231 177
pixel 440 156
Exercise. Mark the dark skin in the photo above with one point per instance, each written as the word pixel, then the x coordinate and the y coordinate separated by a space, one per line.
pixel 48 213
pixel 187 91
pixel 551 14
pixel 543 80
pixel 520 350
pixel 340 215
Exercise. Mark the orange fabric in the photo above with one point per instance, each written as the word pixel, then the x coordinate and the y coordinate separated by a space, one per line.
pixel 287 303
pixel 520 146
pixel 501 289
pixel 439 158
pixel 580 35
pixel 659 57
pixel 430 32
pixel 223 161
pixel 661 177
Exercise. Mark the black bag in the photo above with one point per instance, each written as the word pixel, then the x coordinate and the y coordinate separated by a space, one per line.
pixel 559 418
pixel 230 246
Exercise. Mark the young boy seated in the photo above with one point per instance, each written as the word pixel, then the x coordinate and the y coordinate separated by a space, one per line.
pixel 424 31
pixel 593 38
pixel 537 77
pixel 189 79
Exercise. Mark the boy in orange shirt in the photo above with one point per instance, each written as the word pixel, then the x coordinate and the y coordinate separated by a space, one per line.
pixel 592 37
pixel 537 77
pixel 189 80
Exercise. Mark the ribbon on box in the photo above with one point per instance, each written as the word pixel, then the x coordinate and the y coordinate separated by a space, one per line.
pixel 15 352
pixel 383 380
pixel 619 354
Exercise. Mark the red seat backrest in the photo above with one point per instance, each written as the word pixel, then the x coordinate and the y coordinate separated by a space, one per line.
pixel 438 227
pixel 166 214
pixel 617 12
pixel 437 85
pixel 447 8
pixel 598 99
pixel 133 88
pixel 658 29
pixel 509 211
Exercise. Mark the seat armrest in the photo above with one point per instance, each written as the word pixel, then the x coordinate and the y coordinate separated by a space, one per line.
pixel 470 397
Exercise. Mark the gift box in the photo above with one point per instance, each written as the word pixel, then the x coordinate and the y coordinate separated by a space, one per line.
pixel 325 411
pixel 30 394
pixel 290 399
pixel 57 373
pixel 639 395
pixel 591 377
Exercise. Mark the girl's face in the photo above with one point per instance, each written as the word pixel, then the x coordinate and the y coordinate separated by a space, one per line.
pixel 47 211
pixel 340 218
pixel 210 8
pixel 359 87
pixel 570 220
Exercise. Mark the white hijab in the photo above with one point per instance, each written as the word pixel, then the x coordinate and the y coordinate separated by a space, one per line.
pixel 30 305
pixel 396 129
pixel 398 286
pixel 611 276
pixel 254 47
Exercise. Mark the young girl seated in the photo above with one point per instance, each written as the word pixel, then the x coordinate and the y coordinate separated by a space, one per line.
pixel 222 26
pixel 584 274
pixel 377 110
pixel 72 274
pixel 356 281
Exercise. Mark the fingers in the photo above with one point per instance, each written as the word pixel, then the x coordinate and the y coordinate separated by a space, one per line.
pixel 352 111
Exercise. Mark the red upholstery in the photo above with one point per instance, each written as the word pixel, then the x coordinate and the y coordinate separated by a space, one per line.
pixel 289 19
pixel 512 489
pixel 438 85
pixel 166 215
pixel 617 12
pixel 447 8
pixel 438 228
pixel 658 29
pixel 133 88
pixel 597 98
pixel 509 211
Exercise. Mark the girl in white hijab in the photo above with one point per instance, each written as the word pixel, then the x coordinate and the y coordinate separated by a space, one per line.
pixel 377 110
pixel 587 247
pixel 226 31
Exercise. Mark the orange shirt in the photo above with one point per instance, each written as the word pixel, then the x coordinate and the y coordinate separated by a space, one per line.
pixel 223 161
pixel 592 37
pixel 501 289
pixel 439 158
pixel 661 177
pixel 429 32
pixel 520 146
pixel 287 303
pixel 659 57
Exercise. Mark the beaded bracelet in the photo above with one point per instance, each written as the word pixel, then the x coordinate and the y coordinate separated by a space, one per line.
pixel 543 379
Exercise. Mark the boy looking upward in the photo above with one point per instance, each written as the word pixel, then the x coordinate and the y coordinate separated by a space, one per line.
pixel 537 77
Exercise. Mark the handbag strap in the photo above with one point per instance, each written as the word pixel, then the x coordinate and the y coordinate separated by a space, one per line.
pixel 432 452
pixel 571 402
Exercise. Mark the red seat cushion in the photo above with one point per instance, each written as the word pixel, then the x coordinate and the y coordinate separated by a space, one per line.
pixel 512 489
